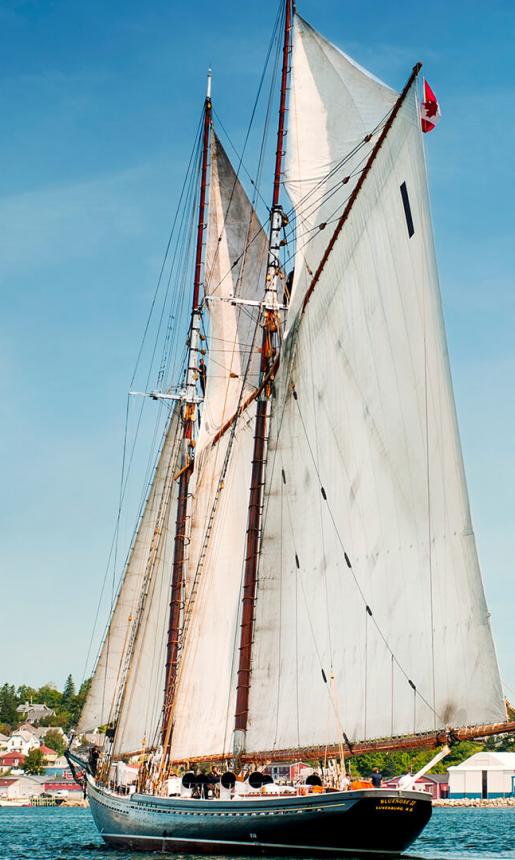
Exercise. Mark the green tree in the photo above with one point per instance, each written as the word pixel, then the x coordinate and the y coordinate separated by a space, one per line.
pixel 501 743
pixel 49 695
pixel 26 694
pixel 8 704
pixel 460 752
pixel 34 762
pixel 55 741
pixel 69 691
pixel 363 765
pixel 399 762
pixel 61 718
pixel 78 702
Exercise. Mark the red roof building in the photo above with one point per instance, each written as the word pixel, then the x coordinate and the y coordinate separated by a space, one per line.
pixel 12 759
pixel 436 784
pixel 62 786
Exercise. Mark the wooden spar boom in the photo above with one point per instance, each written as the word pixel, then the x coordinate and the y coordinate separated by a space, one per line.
pixel 268 353
pixel 427 740
pixel 172 650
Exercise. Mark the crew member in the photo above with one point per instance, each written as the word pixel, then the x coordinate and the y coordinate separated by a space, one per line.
pixel 377 778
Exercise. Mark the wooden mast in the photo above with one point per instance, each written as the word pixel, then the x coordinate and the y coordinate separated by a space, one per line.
pixel 186 465
pixel 268 354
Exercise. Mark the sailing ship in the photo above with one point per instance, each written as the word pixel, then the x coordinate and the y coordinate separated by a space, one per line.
pixel 337 606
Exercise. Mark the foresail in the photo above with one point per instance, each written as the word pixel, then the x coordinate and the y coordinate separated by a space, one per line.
pixel 235 268
pixel 370 614
pixel 143 699
pixel 205 698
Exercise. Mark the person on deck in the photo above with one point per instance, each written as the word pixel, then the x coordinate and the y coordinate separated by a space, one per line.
pixel 344 783
pixel 94 755
pixel 377 778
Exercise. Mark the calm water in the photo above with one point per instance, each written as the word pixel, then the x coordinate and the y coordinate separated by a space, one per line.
pixel 69 834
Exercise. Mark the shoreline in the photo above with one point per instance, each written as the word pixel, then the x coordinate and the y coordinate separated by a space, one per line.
pixel 470 802
pixel 26 802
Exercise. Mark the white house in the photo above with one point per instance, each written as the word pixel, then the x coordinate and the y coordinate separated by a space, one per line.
pixel 22 741
pixel 42 731
pixel 21 786
pixel 28 727
pixel 483 775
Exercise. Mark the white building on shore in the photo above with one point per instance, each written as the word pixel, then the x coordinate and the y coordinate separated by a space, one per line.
pixel 22 741
pixel 484 775
pixel 14 787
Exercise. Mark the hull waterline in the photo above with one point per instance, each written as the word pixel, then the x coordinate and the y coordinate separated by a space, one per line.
pixel 371 821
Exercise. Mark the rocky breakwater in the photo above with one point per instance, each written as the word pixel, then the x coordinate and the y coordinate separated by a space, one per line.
pixel 496 803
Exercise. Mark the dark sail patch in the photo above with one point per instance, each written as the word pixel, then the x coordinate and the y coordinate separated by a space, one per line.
pixel 407 209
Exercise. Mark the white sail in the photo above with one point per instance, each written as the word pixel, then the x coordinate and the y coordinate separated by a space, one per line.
pixel 334 104
pixel 143 699
pixel 205 699
pixel 235 266
pixel 367 461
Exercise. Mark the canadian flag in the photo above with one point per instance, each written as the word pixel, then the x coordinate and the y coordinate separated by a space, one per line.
pixel 429 109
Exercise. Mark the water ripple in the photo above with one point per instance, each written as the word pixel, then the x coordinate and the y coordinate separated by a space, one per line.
pixel 41 833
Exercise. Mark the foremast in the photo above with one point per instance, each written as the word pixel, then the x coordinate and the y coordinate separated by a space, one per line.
pixel 269 350
pixel 189 414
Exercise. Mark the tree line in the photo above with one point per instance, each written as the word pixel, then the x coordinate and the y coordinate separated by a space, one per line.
pixel 67 704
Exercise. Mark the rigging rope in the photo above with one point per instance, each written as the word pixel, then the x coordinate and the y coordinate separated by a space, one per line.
pixel 129 449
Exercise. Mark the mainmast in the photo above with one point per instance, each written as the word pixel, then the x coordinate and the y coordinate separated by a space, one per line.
pixel 188 444
pixel 271 326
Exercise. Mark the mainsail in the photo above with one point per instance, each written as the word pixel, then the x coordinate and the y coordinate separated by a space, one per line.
pixel 370 613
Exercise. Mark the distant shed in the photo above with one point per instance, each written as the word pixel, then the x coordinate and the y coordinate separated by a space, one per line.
pixel 436 784
pixel 484 775
pixel 20 786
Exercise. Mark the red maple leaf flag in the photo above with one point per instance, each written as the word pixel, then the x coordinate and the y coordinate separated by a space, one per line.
pixel 429 109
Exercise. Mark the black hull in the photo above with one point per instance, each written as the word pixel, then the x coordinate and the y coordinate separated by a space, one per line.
pixel 356 822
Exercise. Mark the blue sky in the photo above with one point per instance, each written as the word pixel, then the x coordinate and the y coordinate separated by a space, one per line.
pixel 99 103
